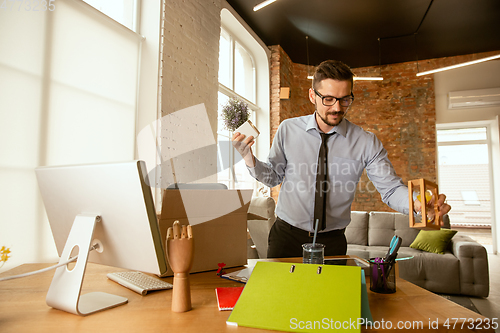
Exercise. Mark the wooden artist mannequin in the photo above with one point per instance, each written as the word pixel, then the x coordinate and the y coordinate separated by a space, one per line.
pixel 180 252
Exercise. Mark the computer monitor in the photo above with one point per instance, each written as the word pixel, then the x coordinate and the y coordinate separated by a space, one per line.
pixel 106 204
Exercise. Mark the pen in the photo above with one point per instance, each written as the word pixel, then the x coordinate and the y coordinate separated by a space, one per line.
pixel 315 232
pixel 314 238
pixel 398 259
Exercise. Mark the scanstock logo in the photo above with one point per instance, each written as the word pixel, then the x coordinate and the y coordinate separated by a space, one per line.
pixel 186 162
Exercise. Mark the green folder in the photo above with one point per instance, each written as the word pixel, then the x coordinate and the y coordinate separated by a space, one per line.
pixel 300 298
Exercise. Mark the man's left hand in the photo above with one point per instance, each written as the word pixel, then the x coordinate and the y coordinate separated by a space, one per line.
pixel 443 207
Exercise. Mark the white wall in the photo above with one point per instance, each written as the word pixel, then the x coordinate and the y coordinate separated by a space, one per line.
pixel 480 76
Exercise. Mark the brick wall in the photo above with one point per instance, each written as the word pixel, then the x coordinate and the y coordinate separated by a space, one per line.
pixel 189 62
pixel 400 110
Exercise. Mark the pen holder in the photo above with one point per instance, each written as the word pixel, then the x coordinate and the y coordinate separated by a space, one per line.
pixel 383 277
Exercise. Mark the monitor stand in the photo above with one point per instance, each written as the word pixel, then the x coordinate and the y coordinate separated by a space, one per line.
pixel 65 289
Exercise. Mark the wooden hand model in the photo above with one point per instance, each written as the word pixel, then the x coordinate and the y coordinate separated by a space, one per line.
pixel 180 252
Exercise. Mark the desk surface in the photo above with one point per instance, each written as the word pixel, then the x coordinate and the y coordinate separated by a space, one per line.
pixel 23 308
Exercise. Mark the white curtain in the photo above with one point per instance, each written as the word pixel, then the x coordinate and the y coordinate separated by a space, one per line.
pixel 68 95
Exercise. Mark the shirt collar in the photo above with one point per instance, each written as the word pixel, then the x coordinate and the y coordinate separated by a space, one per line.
pixel 340 128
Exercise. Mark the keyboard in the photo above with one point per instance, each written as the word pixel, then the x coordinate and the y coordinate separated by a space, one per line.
pixel 139 282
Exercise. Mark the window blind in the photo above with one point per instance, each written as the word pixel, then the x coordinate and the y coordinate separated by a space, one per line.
pixel 68 95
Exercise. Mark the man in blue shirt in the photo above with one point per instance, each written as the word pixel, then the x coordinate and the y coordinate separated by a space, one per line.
pixel 293 163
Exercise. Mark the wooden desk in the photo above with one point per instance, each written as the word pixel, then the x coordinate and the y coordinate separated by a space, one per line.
pixel 23 308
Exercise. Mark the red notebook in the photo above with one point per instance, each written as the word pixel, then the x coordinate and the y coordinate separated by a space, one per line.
pixel 227 297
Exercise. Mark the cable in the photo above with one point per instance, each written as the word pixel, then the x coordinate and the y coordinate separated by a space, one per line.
pixel 408 35
pixel 70 260
pixel 427 11
pixel 39 271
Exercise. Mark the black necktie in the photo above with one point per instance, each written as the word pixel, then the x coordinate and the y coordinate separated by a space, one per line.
pixel 321 183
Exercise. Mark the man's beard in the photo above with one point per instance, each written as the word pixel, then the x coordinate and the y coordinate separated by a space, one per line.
pixel 329 123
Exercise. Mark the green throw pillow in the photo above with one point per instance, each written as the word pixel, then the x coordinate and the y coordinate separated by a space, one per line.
pixel 434 241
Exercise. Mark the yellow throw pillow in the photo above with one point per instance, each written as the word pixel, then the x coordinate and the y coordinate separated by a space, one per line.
pixel 434 241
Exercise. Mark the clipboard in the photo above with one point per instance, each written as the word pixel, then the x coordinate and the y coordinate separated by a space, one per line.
pixel 300 298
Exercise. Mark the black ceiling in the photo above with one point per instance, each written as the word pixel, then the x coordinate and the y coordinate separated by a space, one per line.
pixel 349 30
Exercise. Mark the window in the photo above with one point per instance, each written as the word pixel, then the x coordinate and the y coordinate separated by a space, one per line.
pixel 72 99
pixel 236 68
pixel 236 79
pixel 244 73
pixel 461 134
pixel 470 198
pixel 225 59
pixel 464 174
pixel 122 11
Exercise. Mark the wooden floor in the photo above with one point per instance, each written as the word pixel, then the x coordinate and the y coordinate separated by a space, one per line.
pixel 490 307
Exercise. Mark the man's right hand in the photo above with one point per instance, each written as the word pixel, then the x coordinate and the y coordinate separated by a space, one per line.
pixel 244 147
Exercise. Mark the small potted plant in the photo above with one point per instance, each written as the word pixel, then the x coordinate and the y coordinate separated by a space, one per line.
pixel 235 113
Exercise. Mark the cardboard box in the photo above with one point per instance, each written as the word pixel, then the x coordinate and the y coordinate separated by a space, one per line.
pixel 219 222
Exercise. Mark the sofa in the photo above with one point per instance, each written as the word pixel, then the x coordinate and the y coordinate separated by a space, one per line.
pixel 461 270
pixel 259 229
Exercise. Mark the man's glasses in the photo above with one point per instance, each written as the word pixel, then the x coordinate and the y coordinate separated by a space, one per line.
pixel 330 100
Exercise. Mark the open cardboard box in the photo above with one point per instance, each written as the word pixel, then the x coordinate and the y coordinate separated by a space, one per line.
pixel 219 222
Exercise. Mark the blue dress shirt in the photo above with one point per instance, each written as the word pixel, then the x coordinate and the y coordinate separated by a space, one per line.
pixel 292 162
